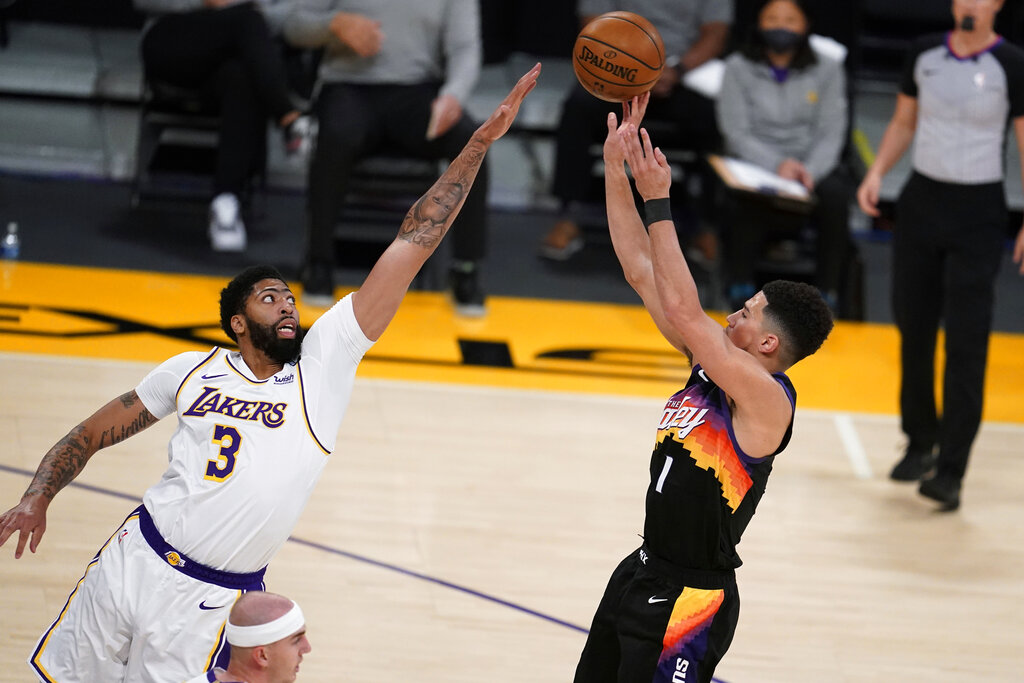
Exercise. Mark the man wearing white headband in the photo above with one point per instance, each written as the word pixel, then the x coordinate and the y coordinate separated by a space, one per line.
pixel 255 430
pixel 267 634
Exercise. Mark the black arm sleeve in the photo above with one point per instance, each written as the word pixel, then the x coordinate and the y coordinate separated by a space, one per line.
pixel 1011 58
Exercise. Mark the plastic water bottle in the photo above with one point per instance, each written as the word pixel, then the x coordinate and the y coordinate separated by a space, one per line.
pixel 10 248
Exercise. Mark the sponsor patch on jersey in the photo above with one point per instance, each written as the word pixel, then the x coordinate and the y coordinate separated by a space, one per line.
pixel 287 379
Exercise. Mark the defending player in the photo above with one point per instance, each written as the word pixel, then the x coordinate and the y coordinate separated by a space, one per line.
pixel 267 634
pixel 254 431
pixel 670 608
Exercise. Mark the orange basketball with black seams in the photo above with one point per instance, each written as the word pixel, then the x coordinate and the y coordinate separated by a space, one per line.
pixel 618 55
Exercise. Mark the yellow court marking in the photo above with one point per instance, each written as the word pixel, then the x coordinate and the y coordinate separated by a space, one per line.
pixel 863 147
pixel 521 343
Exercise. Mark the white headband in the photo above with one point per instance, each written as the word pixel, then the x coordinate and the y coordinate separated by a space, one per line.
pixel 265 634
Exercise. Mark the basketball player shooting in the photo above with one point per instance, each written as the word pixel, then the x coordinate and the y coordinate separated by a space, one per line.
pixel 670 609
pixel 255 427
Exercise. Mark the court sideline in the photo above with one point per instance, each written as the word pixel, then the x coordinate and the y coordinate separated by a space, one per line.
pixel 491 473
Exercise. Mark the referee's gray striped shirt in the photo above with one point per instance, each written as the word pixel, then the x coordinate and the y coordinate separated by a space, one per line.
pixel 964 103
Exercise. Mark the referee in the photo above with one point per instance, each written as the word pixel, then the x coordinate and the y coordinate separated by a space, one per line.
pixel 957 93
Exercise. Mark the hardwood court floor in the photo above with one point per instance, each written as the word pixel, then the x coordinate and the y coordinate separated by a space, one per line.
pixel 471 515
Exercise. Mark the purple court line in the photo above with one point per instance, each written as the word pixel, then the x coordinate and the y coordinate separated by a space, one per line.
pixel 358 558
pixel 439 582
pixel 351 556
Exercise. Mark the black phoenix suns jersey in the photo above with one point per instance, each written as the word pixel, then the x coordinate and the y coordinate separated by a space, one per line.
pixel 704 488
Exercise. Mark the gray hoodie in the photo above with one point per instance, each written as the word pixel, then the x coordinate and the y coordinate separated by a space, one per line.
pixel 804 117
pixel 424 40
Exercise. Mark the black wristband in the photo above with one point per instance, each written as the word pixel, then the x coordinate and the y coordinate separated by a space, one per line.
pixel 657 210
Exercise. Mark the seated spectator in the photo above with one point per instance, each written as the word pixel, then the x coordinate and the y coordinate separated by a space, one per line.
pixel 783 107
pixel 394 75
pixel 693 31
pixel 267 635
pixel 225 49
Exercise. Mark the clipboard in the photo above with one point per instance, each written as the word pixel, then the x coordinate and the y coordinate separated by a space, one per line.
pixel 756 182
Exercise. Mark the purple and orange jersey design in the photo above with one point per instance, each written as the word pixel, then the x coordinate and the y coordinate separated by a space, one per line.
pixel 686 637
pixel 704 488
pixel 711 446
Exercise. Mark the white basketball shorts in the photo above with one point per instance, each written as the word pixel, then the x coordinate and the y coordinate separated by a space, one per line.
pixel 140 614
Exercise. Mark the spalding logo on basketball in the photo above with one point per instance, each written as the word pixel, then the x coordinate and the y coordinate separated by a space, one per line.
pixel 618 55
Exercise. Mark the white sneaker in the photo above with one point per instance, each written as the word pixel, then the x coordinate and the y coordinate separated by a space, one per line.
pixel 227 232
pixel 298 137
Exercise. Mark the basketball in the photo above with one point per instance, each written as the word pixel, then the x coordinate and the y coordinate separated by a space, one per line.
pixel 618 55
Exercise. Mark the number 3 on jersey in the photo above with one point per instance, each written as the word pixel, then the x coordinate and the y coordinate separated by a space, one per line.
pixel 221 467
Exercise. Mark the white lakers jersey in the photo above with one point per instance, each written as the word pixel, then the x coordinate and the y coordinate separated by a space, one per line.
pixel 247 453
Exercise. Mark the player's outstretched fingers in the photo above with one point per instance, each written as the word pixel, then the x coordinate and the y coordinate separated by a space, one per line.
pixel 662 160
pixel 28 522
pixel 5 530
pixel 639 108
pixel 630 149
pixel 37 536
pixel 500 120
pixel 648 146
pixel 526 83
pixel 23 537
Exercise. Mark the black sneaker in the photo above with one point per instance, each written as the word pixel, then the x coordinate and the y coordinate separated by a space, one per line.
pixel 913 466
pixel 317 287
pixel 467 295
pixel 944 489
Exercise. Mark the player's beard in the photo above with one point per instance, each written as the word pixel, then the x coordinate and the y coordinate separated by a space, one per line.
pixel 264 338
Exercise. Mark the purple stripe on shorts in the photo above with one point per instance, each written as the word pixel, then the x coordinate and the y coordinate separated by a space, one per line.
pixel 189 567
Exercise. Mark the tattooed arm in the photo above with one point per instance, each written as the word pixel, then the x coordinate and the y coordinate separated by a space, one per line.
pixel 111 424
pixel 377 301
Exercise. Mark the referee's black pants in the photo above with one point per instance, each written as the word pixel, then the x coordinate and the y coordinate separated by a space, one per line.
pixel 947 247
pixel 230 56
pixel 355 120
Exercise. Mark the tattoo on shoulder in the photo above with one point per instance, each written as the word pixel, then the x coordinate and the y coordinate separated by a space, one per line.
pixel 128 399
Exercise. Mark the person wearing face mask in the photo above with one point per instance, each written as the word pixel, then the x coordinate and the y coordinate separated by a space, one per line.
pixel 783 107
pixel 958 91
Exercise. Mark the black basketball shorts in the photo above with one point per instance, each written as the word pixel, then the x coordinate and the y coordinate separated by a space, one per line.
pixel 659 624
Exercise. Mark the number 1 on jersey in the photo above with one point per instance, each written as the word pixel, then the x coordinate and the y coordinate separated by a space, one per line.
pixel 664 473
pixel 229 440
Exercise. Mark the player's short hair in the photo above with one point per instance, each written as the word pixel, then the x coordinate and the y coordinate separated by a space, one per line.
pixel 233 296
pixel 801 316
